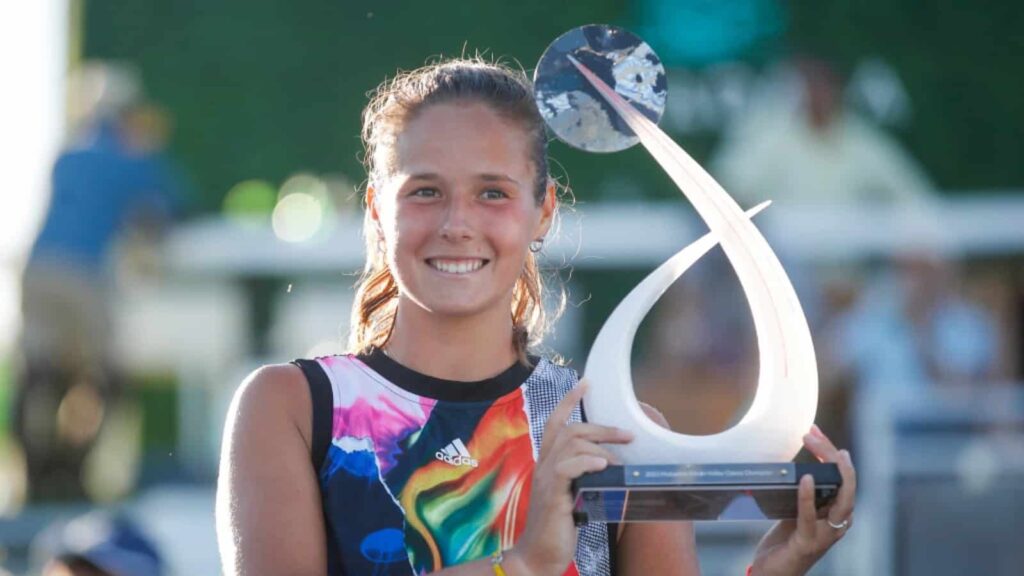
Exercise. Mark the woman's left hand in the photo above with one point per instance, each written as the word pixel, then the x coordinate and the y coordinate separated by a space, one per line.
pixel 791 547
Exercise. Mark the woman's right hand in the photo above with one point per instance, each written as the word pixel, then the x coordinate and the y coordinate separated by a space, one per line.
pixel 548 542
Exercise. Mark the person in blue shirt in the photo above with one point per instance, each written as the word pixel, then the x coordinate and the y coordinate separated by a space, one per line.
pixel 116 177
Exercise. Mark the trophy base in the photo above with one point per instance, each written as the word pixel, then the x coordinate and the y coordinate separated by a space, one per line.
pixel 666 492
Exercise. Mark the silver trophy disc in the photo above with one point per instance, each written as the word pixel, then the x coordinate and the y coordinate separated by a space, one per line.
pixel 573 108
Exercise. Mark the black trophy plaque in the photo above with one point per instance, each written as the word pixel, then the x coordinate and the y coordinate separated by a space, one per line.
pixel 664 492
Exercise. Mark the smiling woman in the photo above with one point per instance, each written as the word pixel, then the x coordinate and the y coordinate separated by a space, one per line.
pixel 409 155
pixel 456 217
pixel 440 443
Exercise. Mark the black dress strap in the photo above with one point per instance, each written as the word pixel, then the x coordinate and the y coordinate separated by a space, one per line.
pixel 323 408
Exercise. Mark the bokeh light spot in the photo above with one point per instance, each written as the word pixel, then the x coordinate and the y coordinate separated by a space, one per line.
pixel 309 184
pixel 297 217
pixel 250 200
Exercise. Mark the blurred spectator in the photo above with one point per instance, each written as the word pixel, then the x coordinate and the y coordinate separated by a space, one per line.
pixel 800 146
pixel 804 147
pixel 911 329
pixel 113 176
pixel 96 544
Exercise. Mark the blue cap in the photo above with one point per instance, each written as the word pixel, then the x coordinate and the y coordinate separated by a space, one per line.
pixel 113 544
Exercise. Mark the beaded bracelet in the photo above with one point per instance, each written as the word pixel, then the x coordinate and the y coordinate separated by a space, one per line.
pixel 496 559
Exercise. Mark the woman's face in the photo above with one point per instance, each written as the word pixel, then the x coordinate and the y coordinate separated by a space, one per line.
pixel 459 212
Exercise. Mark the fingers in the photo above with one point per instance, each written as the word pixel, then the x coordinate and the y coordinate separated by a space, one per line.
pixel 820 445
pixel 579 446
pixel 573 449
pixel 806 513
pixel 593 433
pixel 842 509
pixel 572 468
pixel 557 431
pixel 823 448
pixel 560 416
pixel 582 438
pixel 576 452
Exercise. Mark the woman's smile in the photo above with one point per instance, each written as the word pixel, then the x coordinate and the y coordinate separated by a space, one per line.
pixel 457 266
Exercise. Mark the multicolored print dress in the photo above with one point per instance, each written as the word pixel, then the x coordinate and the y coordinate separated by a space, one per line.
pixel 418 474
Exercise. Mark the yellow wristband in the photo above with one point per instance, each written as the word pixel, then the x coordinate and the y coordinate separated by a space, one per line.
pixel 496 559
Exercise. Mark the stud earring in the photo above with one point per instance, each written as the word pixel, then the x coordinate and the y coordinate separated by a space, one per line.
pixel 537 245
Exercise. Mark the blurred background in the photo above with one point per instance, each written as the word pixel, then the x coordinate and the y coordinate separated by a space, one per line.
pixel 181 203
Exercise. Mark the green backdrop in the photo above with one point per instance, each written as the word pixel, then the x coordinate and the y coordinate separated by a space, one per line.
pixel 264 88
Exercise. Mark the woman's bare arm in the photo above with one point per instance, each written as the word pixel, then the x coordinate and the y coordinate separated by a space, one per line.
pixel 269 518
pixel 658 548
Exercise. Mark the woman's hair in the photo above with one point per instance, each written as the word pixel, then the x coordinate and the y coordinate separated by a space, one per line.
pixel 509 93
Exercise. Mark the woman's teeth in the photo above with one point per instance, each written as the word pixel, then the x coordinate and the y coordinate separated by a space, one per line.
pixel 456 266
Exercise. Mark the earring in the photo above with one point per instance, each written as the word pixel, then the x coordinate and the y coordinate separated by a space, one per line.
pixel 537 245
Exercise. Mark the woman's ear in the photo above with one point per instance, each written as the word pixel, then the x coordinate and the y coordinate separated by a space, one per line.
pixel 547 207
pixel 371 203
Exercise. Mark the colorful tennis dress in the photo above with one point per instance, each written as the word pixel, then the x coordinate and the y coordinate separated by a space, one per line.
pixel 418 474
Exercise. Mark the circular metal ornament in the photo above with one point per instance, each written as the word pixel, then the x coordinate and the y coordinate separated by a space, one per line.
pixel 574 110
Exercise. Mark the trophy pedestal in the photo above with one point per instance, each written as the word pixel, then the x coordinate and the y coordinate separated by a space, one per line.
pixel 666 492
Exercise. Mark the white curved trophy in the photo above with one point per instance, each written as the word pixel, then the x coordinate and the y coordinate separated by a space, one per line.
pixel 787 394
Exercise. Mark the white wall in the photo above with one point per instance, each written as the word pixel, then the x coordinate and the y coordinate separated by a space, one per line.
pixel 33 62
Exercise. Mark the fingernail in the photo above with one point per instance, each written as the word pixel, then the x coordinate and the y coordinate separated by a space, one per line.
pixel 816 431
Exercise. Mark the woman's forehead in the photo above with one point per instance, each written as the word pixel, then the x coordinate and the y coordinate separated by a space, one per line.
pixel 464 138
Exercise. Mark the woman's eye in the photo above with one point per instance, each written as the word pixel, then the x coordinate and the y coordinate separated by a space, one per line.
pixel 494 194
pixel 425 193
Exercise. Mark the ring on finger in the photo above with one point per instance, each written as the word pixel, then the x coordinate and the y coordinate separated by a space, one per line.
pixel 840 526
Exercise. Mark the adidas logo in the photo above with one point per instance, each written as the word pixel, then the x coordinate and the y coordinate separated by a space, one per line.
pixel 455 453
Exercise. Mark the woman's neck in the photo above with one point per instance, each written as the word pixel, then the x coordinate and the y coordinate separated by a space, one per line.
pixel 464 348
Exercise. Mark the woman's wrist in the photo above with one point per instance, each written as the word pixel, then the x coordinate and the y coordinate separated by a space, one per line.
pixel 752 571
pixel 515 563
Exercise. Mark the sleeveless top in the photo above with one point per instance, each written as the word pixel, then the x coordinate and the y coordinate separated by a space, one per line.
pixel 417 473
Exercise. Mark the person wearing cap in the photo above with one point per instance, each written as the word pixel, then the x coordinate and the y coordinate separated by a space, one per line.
pixel 98 544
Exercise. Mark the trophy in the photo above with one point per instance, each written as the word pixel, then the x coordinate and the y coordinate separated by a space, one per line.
pixel 602 89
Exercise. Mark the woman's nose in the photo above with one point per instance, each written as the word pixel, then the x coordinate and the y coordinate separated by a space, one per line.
pixel 457 224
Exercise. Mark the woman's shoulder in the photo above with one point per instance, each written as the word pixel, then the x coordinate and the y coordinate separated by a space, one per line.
pixel 274 393
pixel 272 381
